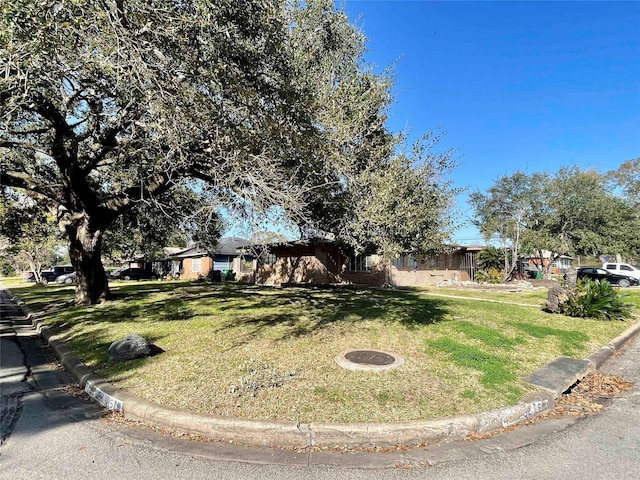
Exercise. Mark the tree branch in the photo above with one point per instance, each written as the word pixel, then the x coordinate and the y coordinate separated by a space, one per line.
pixel 24 181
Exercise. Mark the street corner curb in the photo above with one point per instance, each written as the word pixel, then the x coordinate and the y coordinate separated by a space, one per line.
pixel 251 432
pixel 388 434
pixel 601 355
pixel 232 430
pixel 529 408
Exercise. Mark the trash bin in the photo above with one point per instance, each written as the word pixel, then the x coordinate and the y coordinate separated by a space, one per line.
pixel 229 276
pixel 538 275
pixel 217 276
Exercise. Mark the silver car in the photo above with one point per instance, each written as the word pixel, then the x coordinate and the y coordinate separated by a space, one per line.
pixel 67 278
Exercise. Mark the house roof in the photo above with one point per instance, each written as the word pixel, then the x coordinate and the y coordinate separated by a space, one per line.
pixel 327 241
pixel 226 246
pixel 168 251
pixel 292 243
pixel 231 245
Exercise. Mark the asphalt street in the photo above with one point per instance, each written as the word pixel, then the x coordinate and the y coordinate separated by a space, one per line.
pixel 50 432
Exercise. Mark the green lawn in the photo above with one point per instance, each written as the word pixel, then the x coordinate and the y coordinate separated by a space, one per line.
pixel 269 353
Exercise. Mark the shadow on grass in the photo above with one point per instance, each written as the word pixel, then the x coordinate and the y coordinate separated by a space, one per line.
pixel 257 311
pixel 303 312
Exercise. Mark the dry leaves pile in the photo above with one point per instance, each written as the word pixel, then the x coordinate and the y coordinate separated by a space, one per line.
pixel 590 395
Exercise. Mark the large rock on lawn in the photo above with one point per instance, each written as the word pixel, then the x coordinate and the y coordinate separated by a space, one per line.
pixel 130 347
pixel 556 298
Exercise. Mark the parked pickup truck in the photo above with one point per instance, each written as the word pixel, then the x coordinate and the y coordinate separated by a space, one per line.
pixel 622 269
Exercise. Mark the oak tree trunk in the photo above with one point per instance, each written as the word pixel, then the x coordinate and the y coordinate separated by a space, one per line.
pixel 85 246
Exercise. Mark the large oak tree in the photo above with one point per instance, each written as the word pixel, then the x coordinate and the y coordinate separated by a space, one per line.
pixel 106 105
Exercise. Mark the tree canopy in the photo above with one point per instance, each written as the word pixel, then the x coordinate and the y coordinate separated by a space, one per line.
pixel 627 176
pixel 570 212
pixel 106 106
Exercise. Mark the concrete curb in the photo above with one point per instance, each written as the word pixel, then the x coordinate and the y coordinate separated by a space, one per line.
pixel 291 434
pixel 597 358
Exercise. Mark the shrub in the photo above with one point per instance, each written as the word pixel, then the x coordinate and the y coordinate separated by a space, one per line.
pixel 491 257
pixel 492 275
pixel 596 299
pixel 7 270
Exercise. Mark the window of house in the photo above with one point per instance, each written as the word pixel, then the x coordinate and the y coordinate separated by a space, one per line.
pixel 246 265
pixel 361 263
pixel 399 262
pixel 434 261
pixel 268 258
pixel 196 265
pixel 412 262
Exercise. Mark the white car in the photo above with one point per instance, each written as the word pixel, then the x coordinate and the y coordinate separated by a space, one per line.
pixel 622 269
pixel 67 278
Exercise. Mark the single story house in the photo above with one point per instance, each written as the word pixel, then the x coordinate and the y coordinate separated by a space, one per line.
pixel 321 261
pixel 560 265
pixel 194 262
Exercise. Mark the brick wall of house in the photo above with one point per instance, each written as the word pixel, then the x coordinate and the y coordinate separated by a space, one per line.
pixel 301 264
pixel 299 269
pixel 206 264
pixel 408 277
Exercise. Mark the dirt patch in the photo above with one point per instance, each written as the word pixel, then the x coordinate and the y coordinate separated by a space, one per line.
pixel 543 283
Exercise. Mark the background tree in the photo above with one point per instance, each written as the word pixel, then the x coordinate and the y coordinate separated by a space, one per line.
pixel 31 240
pixel 107 105
pixel 573 212
pixel 627 177
pixel 491 257
pixel 504 212
pixel 577 213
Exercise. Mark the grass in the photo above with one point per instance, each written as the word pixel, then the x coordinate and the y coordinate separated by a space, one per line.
pixel 269 353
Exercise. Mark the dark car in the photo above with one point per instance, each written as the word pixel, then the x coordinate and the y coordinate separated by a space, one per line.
pixel 134 274
pixel 55 272
pixel 595 273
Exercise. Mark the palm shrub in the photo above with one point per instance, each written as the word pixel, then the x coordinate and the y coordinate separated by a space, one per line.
pixel 491 257
pixel 596 299
pixel 492 275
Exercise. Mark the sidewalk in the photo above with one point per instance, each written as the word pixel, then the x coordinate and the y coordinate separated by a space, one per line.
pixel 304 444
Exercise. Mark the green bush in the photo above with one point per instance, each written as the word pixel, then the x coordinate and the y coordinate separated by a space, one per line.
pixel 491 257
pixel 596 299
pixel 492 275
pixel 7 270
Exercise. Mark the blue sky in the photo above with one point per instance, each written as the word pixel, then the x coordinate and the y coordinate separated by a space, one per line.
pixel 530 86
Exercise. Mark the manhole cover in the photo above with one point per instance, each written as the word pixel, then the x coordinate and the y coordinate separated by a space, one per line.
pixel 370 360
pixel 369 357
